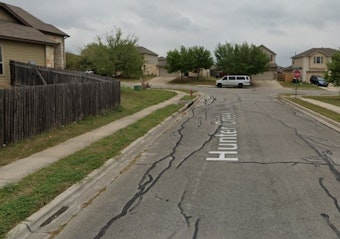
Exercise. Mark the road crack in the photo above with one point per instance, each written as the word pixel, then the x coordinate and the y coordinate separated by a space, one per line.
pixel 148 180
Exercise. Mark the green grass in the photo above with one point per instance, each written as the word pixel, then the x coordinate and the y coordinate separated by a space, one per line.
pixel 328 113
pixel 302 85
pixel 131 102
pixel 334 100
pixel 18 201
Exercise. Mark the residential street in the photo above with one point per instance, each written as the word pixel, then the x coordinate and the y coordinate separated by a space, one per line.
pixel 238 164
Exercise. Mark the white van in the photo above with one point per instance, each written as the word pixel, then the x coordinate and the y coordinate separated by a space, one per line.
pixel 234 81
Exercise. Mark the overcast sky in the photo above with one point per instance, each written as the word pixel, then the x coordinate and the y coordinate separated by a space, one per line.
pixel 286 27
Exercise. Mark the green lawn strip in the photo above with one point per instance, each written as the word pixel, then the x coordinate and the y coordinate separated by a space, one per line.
pixel 333 100
pixel 301 85
pixel 328 113
pixel 131 102
pixel 21 200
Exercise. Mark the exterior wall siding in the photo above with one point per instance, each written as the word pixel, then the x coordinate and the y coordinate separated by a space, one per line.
pixel 59 60
pixel 309 68
pixel 20 51
pixel 49 56
pixel 268 75
pixel 313 65
pixel 150 65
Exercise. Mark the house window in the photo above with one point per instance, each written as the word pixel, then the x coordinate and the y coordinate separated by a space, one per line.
pixel 1 63
pixel 318 60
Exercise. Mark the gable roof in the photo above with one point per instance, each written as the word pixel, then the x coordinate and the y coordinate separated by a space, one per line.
pixel 25 27
pixel 31 21
pixel 326 51
pixel 145 51
pixel 267 49
pixel 13 31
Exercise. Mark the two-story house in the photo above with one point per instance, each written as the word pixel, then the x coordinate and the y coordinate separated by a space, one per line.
pixel 150 61
pixel 312 62
pixel 25 38
pixel 271 73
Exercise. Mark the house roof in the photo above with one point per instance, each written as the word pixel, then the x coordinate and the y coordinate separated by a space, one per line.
pixel 326 51
pixel 263 46
pixel 31 21
pixel 13 31
pixel 27 27
pixel 145 51
pixel 161 61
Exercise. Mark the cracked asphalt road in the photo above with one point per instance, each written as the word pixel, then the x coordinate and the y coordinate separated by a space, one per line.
pixel 285 184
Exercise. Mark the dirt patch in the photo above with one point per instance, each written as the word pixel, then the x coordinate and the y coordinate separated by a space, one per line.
pixel 161 80
pixel 267 84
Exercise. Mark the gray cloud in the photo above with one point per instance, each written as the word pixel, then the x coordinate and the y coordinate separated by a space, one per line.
pixel 284 27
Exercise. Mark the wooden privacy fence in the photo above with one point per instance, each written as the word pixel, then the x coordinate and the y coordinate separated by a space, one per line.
pixel 29 75
pixel 51 98
pixel 27 111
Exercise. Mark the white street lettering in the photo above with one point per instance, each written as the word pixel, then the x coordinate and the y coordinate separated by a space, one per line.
pixel 227 139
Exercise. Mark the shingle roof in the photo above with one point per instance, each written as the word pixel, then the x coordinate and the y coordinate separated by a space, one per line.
pixel 13 31
pixel 263 46
pixel 327 51
pixel 30 29
pixel 143 50
pixel 30 20
pixel 161 61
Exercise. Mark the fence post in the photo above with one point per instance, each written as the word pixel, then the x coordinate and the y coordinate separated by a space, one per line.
pixel 1 117
pixel 12 71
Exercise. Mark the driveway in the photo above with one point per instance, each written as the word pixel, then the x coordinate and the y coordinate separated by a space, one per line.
pixel 161 80
pixel 267 84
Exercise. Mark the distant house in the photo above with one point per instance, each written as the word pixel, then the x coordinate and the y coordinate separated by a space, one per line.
pixel 25 38
pixel 271 73
pixel 150 61
pixel 162 71
pixel 312 62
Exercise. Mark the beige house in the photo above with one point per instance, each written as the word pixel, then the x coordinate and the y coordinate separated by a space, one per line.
pixel 162 71
pixel 150 61
pixel 25 38
pixel 271 73
pixel 312 62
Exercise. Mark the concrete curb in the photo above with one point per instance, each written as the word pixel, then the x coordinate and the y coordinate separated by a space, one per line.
pixel 56 214
pixel 322 119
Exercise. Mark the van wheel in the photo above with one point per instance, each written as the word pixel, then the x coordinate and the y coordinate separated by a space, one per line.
pixel 219 85
pixel 240 85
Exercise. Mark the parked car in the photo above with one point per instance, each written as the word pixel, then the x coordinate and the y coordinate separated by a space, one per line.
pixel 318 80
pixel 233 80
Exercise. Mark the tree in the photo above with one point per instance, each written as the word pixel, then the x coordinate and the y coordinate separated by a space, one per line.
pixel 178 61
pixel 96 57
pixel 333 74
pixel 188 59
pixel 116 56
pixel 200 59
pixel 241 59
pixel 73 61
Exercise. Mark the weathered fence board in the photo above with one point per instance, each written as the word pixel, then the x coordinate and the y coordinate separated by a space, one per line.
pixel 28 111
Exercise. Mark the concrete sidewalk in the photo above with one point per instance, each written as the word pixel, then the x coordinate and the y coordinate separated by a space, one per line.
pixel 322 104
pixel 19 169
pixel 319 117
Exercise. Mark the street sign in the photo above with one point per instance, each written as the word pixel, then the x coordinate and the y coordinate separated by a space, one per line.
pixel 296 74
